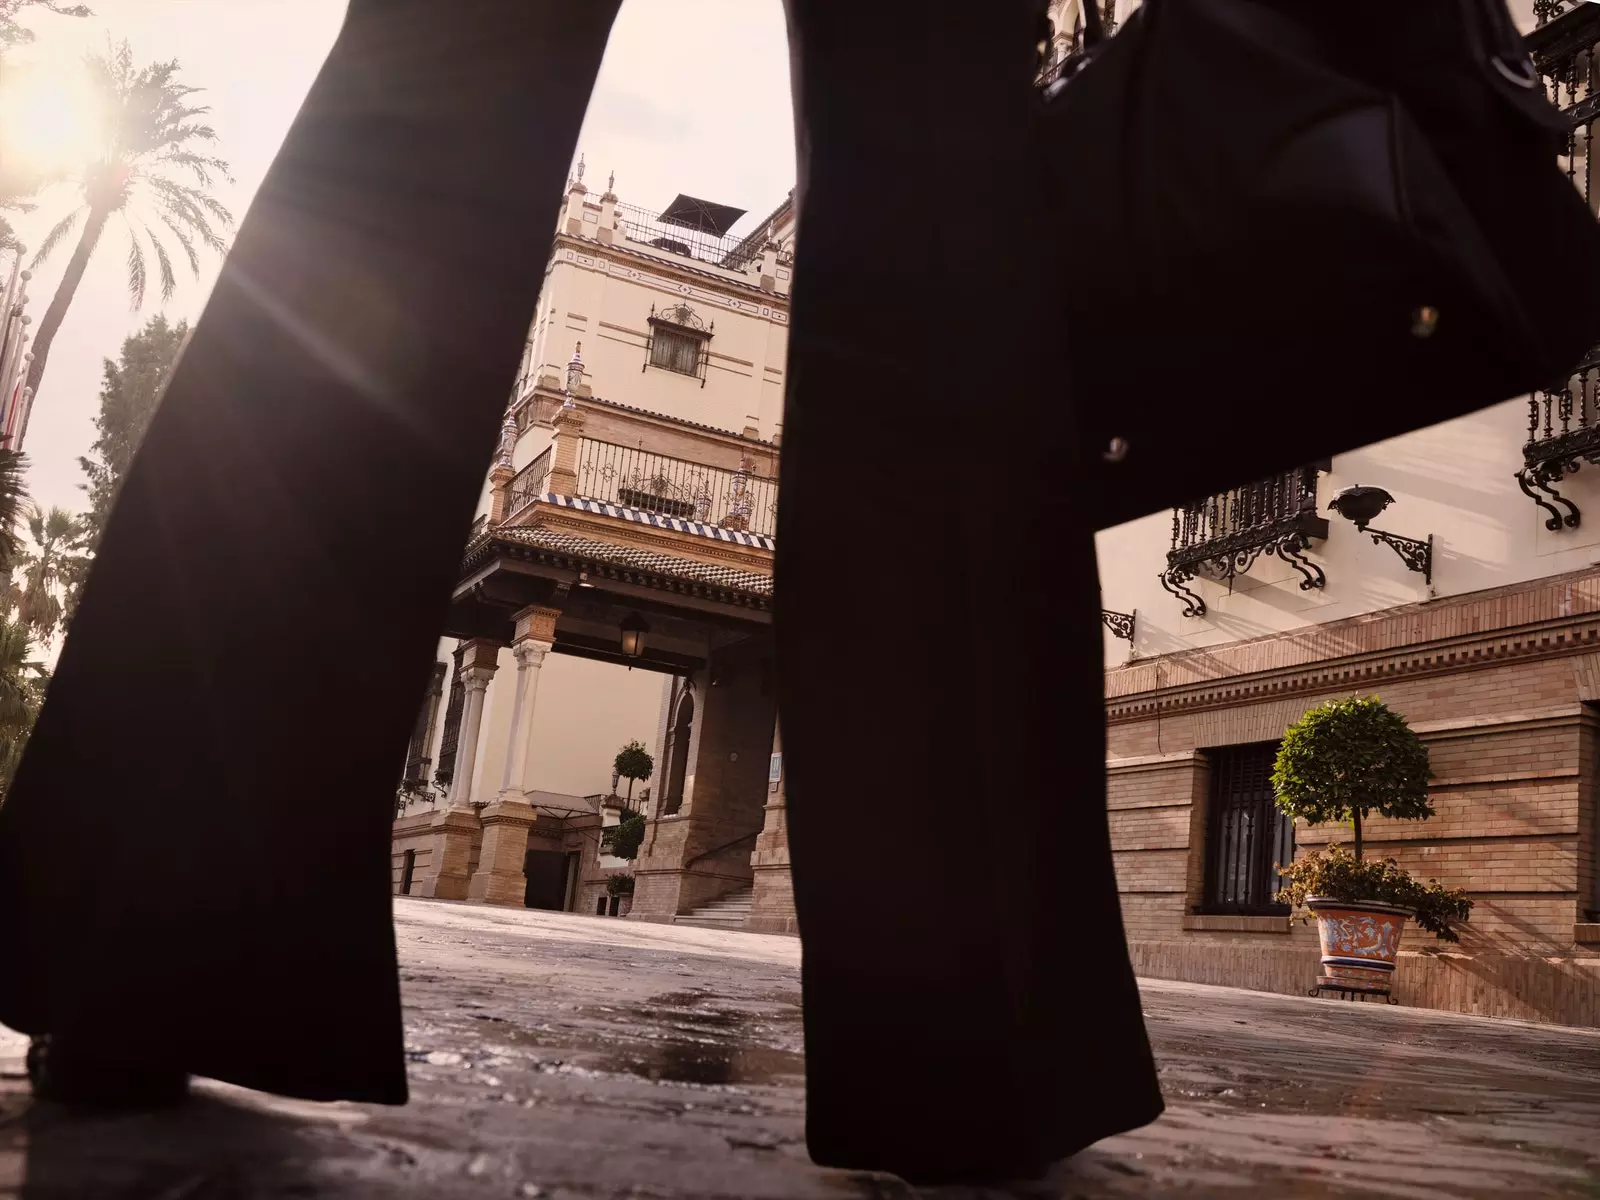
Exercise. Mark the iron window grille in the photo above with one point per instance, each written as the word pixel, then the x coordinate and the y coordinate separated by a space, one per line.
pixel 1564 418
pixel 679 342
pixel 1247 836
pixel 417 762
pixel 452 725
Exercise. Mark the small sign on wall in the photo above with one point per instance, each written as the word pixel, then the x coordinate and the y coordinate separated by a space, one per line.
pixel 775 770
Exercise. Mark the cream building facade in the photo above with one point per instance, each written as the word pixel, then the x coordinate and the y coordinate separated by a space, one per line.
pixel 636 483
pixel 650 396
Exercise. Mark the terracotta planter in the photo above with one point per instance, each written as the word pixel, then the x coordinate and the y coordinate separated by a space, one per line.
pixel 1360 940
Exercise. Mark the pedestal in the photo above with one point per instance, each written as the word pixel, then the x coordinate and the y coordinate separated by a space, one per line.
pixel 499 878
pixel 454 832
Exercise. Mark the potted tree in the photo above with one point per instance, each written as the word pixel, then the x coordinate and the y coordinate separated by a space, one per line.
pixel 1341 762
pixel 633 762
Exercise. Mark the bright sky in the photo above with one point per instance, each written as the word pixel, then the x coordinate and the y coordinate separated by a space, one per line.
pixel 693 97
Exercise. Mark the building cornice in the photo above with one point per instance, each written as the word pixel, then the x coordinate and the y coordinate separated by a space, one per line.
pixel 1546 618
pixel 776 303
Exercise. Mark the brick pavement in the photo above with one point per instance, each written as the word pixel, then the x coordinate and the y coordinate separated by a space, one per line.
pixel 565 1057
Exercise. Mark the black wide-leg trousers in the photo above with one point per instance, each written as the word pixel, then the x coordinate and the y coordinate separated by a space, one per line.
pixel 194 856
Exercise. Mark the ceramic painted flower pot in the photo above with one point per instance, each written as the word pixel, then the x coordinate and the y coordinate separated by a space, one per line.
pixel 1360 940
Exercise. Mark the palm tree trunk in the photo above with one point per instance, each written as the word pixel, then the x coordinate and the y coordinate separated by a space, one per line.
pixel 1356 814
pixel 50 323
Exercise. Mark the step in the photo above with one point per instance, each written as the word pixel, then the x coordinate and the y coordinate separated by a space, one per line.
pixel 706 923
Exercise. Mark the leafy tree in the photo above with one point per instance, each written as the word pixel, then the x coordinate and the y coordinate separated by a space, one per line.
pixel 633 762
pixel 22 685
pixel 130 389
pixel 624 838
pixel 1347 758
pixel 13 34
pixel 51 568
pixel 152 151
pixel 22 679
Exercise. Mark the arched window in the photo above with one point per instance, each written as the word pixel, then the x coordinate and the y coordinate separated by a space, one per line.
pixel 678 736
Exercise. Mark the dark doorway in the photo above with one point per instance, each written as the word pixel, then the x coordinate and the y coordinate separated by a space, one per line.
pixel 407 871
pixel 547 879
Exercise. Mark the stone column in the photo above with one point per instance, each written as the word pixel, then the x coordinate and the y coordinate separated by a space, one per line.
pixel 507 822
pixel 456 828
pixel 772 901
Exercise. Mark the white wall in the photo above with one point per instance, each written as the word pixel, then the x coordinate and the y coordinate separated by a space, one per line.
pixel 584 713
pixel 587 301
pixel 1453 480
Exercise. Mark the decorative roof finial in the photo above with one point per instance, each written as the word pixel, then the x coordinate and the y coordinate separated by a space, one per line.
pixel 611 181
pixel 580 168
pixel 574 374
pixel 508 440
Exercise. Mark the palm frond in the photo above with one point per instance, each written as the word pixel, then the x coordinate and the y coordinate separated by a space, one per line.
pixel 185 241
pixel 136 271
pixel 62 229
pixel 169 282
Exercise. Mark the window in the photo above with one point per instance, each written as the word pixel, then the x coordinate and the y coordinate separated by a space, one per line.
pixel 675 351
pixel 422 733
pixel 679 341
pixel 452 724
pixel 1247 837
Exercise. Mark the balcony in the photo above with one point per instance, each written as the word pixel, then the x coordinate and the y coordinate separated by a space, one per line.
pixel 1564 419
pixel 738 499
pixel 1221 537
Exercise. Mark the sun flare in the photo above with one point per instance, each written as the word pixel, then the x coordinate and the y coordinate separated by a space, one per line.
pixel 49 119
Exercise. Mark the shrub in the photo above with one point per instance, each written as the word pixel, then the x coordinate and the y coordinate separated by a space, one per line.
pixel 1338 875
pixel 619 885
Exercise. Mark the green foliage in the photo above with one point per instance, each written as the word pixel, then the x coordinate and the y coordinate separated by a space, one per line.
pixel 130 390
pixel 154 174
pixel 1338 875
pixel 634 762
pixel 53 567
pixel 619 885
pixel 1348 758
pixel 14 34
pixel 624 838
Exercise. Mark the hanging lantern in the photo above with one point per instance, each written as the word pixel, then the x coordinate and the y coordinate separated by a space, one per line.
pixel 633 630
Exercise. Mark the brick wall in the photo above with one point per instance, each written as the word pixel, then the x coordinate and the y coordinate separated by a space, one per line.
pixel 1496 683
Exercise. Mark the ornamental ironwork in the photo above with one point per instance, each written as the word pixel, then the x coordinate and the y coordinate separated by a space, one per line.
pixel 1120 624
pixel 1221 536
pixel 737 500
pixel 679 341
pixel 1564 419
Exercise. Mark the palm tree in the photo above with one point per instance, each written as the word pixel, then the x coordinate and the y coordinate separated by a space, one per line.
pixel 151 135
pixel 22 685
pixel 51 567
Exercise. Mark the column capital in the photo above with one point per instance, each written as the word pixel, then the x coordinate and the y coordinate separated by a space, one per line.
pixel 530 652
pixel 537 623
pixel 477 679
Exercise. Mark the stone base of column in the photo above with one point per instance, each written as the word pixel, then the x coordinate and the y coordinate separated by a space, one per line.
pixel 499 878
pixel 455 835
pixel 772 898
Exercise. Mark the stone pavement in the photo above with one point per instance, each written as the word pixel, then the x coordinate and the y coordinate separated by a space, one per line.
pixel 568 1057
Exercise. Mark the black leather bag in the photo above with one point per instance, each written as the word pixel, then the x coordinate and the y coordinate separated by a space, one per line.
pixel 1291 228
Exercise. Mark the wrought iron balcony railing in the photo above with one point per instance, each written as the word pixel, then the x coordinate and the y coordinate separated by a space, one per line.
pixel 1223 535
pixel 1564 419
pixel 675 487
pixel 527 485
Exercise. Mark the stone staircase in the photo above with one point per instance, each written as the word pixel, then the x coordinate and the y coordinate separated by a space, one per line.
pixel 725 912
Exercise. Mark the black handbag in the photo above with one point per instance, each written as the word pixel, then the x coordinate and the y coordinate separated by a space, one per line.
pixel 1289 228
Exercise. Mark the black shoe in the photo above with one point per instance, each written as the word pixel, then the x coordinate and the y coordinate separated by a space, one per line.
pixel 86 1081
